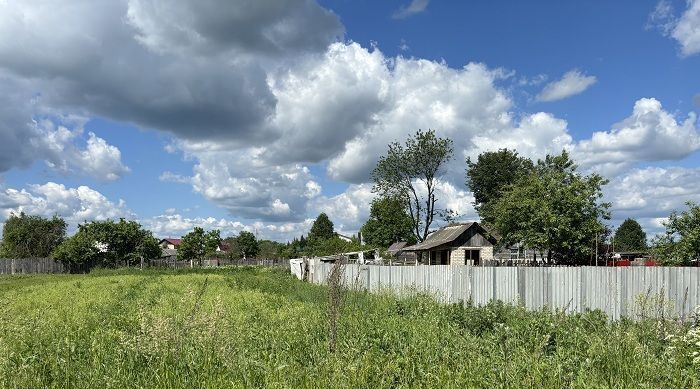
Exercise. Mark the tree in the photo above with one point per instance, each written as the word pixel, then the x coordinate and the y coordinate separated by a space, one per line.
pixel 334 245
pixel 270 249
pixel 411 172
pixel 123 241
pixel 492 172
pixel 388 223
pixel 108 243
pixel 198 244
pixel 322 228
pixel 80 251
pixel 232 249
pixel 27 236
pixel 554 210
pixel 630 236
pixel 296 248
pixel 247 244
pixel 680 244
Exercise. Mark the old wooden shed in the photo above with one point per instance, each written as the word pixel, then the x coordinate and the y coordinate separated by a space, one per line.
pixel 456 244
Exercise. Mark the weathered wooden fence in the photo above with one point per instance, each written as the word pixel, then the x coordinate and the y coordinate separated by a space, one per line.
pixel 217 263
pixel 632 292
pixel 30 265
pixel 48 265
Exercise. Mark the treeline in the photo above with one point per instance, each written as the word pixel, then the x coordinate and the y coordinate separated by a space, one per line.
pixel 105 243
pixel 109 243
pixel 322 240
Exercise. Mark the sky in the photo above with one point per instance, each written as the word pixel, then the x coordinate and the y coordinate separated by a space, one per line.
pixel 258 115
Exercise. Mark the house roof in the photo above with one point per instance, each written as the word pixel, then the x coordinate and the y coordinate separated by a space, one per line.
pixel 443 235
pixel 169 252
pixel 172 241
pixel 396 247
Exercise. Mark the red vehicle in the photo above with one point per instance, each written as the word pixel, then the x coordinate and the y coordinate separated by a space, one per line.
pixel 631 259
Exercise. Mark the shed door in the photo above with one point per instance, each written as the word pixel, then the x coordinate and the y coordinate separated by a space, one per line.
pixel 474 256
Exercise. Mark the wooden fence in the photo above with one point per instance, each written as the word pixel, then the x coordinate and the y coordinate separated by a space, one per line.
pixel 633 292
pixel 160 263
pixel 48 265
pixel 30 266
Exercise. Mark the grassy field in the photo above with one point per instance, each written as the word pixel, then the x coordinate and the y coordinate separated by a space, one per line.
pixel 262 328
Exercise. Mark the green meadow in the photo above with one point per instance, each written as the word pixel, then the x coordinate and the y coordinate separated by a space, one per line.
pixel 262 328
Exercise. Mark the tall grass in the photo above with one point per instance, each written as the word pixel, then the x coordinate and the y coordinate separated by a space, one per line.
pixel 251 327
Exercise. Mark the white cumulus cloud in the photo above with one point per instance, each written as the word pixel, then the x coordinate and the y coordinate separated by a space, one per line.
pixel 76 205
pixel 650 194
pixel 649 134
pixel 414 7
pixel 572 83
pixel 685 29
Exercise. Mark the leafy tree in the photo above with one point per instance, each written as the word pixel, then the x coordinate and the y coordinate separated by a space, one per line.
pixel 270 249
pixel 198 244
pixel 493 172
pixel 680 244
pixel 108 243
pixel 630 236
pixel 27 236
pixel 554 210
pixel 322 228
pixel 411 172
pixel 80 251
pixel 247 244
pixel 233 251
pixel 334 245
pixel 123 241
pixel 388 223
pixel 296 248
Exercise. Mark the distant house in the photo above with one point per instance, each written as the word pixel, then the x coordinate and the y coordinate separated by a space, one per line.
pixel 169 243
pixel 456 244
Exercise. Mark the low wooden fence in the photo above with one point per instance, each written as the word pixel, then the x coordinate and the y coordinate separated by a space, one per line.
pixel 48 265
pixel 633 292
pixel 30 266
pixel 217 263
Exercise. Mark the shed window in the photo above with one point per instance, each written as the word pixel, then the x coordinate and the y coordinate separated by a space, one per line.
pixel 473 255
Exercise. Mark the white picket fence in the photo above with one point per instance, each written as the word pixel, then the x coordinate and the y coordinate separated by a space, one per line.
pixel 633 292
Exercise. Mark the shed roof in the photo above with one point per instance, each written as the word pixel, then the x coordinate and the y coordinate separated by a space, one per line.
pixel 443 235
pixel 169 252
pixel 396 247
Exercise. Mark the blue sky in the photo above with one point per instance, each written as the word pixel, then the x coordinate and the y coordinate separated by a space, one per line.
pixel 246 115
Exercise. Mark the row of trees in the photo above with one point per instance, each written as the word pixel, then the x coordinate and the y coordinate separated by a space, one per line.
pixel 105 243
pixel 321 240
pixel 199 244
pixel 112 243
